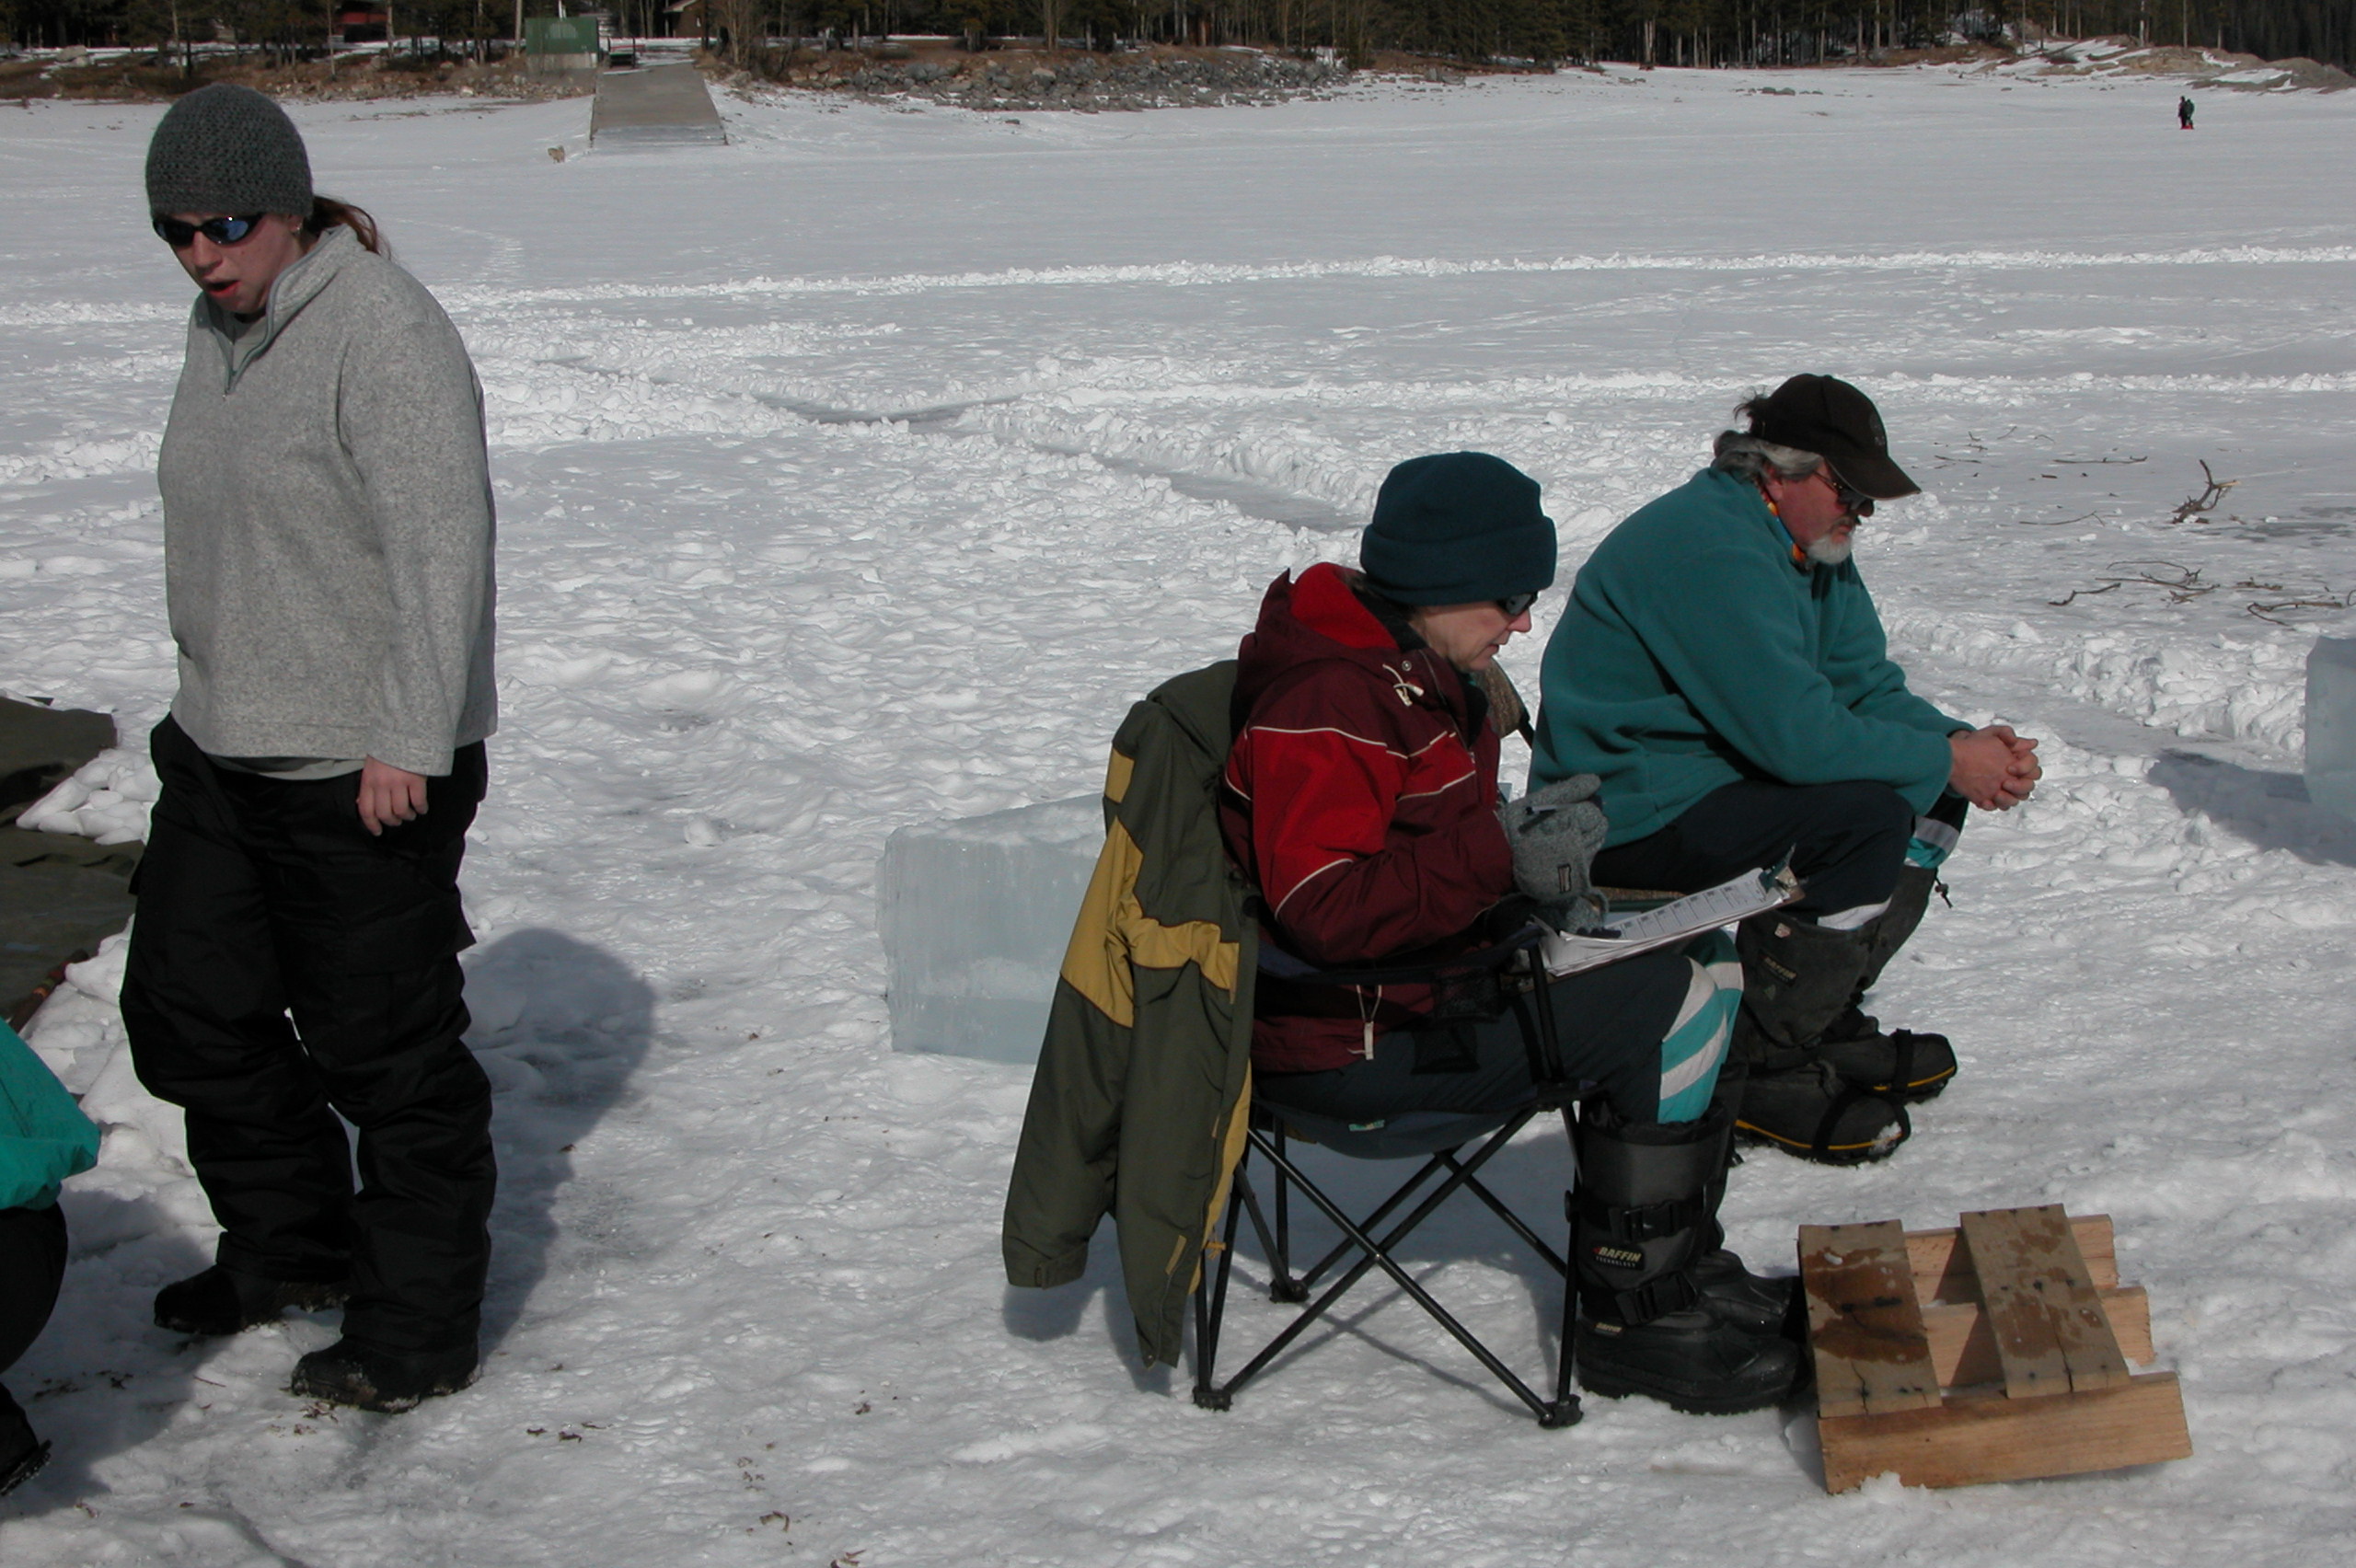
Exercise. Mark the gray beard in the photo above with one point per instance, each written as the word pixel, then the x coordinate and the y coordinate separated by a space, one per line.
pixel 1831 550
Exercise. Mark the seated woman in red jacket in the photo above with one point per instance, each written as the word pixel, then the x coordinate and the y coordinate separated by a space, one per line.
pixel 1361 799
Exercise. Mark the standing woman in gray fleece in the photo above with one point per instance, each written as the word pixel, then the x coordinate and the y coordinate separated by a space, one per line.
pixel 327 564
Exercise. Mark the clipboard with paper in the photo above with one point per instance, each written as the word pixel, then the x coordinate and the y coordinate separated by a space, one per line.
pixel 1738 898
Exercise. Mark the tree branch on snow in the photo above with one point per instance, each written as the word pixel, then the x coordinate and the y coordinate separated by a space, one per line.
pixel 2212 493
pixel 2184 584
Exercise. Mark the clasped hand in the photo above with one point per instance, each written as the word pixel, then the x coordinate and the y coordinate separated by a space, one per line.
pixel 1993 768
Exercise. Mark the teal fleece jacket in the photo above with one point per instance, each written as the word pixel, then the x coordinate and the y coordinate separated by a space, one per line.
pixel 44 1137
pixel 1695 652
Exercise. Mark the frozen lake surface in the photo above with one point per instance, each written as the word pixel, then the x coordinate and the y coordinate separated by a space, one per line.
pixel 862 471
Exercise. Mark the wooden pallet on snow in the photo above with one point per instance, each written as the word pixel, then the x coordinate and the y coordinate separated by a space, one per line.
pixel 1998 1351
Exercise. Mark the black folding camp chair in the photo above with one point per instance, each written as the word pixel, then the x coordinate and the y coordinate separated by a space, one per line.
pixel 1504 976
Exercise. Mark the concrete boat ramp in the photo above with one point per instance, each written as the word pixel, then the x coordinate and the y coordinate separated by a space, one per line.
pixel 659 105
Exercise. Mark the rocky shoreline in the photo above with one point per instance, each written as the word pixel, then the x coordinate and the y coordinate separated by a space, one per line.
pixel 1021 80
pixel 143 76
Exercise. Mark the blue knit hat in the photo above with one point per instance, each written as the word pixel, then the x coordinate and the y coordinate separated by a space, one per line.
pixel 1456 528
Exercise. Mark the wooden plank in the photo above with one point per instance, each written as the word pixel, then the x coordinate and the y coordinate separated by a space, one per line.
pixel 2026 1343
pixel 2049 1329
pixel 1942 1270
pixel 1985 1438
pixel 1864 1325
pixel 1963 1350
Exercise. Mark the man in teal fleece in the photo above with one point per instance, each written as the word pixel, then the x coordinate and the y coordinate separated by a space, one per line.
pixel 1722 669
pixel 44 1138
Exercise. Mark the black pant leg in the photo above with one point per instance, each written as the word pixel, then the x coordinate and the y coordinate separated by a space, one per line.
pixel 32 1266
pixel 205 1009
pixel 1610 1023
pixel 369 931
pixel 1846 842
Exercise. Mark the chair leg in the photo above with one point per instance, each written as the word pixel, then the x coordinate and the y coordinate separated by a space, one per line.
pixel 1566 1400
pixel 1406 1189
pixel 1513 1221
pixel 1565 1411
pixel 1562 1411
pixel 1282 1287
pixel 1210 1302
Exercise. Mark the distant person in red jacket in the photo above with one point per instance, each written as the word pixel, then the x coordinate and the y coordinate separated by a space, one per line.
pixel 1361 799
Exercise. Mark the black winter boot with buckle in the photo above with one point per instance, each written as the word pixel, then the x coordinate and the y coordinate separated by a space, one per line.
pixel 1765 1304
pixel 1798 978
pixel 1640 1215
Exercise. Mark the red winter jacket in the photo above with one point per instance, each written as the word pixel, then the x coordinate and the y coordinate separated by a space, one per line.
pixel 1361 799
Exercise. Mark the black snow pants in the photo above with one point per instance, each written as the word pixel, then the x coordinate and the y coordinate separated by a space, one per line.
pixel 1609 1021
pixel 1846 843
pixel 32 1265
pixel 258 898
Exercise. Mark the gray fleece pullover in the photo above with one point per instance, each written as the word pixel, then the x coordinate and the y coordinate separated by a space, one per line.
pixel 328 528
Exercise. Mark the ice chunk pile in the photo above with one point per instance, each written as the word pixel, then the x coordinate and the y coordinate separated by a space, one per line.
pixel 106 798
pixel 2331 722
pixel 975 914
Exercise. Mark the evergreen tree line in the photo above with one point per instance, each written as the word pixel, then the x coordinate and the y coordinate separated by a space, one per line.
pixel 1665 33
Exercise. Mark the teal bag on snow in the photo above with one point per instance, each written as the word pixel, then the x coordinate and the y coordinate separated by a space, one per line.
pixel 44 1137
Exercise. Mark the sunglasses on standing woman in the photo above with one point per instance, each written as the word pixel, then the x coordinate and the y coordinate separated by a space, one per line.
pixel 219 231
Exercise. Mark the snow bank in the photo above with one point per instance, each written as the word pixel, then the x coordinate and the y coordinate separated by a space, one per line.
pixel 106 798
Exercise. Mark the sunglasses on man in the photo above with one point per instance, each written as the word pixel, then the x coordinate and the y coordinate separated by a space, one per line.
pixel 1516 605
pixel 180 235
pixel 1853 502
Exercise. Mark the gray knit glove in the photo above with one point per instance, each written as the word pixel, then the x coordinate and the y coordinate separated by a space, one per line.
pixel 1556 831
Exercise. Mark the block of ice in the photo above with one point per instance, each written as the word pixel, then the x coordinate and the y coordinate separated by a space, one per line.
pixel 975 914
pixel 2331 723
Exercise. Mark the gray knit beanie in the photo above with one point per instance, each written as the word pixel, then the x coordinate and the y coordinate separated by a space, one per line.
pixel 227 149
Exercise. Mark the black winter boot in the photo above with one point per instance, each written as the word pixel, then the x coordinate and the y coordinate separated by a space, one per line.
pixel 349 1374
pixel 1639 1218
pixel 1898 1062
pixel 227 1301
pixel 1901 1062
pixel 1814 1113
pixel 22 1455
pixel 1797 979
pixel 1762 1303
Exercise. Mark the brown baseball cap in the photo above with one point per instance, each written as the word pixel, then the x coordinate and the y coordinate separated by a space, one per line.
pixel 1827 415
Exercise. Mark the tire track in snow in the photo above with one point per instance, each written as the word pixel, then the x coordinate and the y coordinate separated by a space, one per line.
pixel 67 314
pixel 1199 274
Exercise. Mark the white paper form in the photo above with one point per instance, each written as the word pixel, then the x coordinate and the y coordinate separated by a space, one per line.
pixel 1750 893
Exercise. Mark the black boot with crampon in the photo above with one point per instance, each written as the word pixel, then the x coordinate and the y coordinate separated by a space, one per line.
pixel 1798 978
pixel 1899 1062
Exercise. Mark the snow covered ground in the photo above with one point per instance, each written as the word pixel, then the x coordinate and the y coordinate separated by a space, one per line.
pixel 864 471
